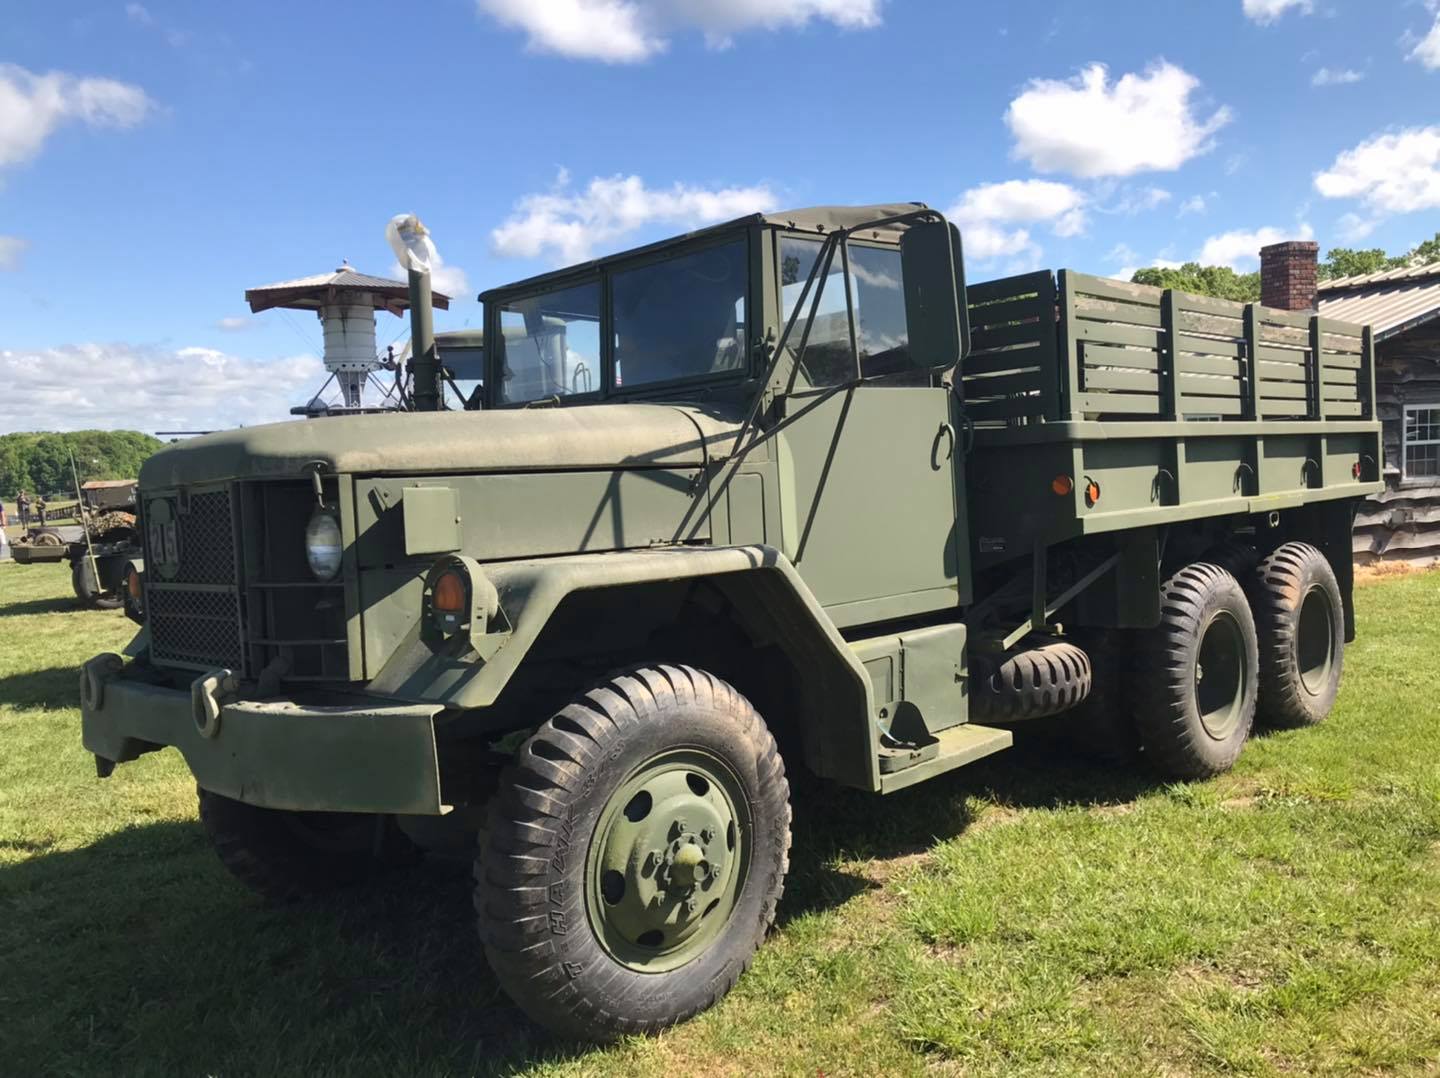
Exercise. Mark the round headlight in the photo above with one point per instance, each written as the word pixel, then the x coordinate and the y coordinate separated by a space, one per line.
pixel 323 545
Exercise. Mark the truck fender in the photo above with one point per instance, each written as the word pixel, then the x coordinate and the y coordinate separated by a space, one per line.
pixel 837 698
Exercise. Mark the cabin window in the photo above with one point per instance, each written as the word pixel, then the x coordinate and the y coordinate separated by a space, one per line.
pixel 882 336
pixel 683 317
pixel 1422 441
pixel 550 344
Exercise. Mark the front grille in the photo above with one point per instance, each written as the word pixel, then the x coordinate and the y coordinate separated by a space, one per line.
pixel 243 605
pixel 207 539
pixel 194 610
pixel 195 628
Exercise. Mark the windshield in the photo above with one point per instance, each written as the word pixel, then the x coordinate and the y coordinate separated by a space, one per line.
pixel 550 344
pixel 676 318
pixel 680 318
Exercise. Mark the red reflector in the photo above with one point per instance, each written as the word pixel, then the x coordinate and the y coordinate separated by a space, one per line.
pixel 449 595
pixel 1062 485
pixel 1357 471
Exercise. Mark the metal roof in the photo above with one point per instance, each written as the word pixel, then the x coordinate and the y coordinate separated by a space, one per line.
pixel 1391 301
pixel 308 293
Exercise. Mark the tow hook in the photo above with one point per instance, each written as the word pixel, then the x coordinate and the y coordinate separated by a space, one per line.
pixel 205 692
pixel 93 675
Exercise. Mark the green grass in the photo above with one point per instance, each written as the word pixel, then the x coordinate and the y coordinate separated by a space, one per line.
pixel 1026 915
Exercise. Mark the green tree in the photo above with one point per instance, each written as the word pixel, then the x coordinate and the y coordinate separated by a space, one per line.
pixel 1349 262
pixel 1221 282
pixel 40 461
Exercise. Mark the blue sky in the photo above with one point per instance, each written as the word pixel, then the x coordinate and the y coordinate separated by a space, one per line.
pixel 157 160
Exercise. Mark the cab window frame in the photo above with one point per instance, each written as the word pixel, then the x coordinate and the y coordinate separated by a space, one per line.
pixel 603 272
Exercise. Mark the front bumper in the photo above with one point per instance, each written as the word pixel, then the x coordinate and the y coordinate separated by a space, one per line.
pixel 360 755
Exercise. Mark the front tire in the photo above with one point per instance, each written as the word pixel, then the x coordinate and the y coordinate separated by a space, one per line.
pixel 1195 684
pixel 1301 621
pixel 635 855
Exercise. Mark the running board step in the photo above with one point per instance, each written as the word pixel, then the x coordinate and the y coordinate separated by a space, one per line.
pixel 955 747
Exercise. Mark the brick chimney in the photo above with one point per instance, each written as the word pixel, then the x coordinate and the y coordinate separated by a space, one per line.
pixel 1288 274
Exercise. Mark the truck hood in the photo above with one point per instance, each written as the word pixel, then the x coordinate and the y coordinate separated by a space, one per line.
pixel 510 440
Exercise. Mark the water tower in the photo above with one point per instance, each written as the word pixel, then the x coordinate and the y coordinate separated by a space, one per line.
pixel 345 301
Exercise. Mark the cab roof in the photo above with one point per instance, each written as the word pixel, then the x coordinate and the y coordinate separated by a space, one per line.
pixel 817 219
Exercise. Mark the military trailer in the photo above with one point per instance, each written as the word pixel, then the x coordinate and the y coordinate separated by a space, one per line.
pixel 784 496
pixel 100 548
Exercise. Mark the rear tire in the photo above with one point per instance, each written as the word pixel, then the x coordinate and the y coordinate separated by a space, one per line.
pixel 1197 674
pixel 1101 729
pixel 286 856
pixel 82 579
pixel 1301 622
pixel 635 855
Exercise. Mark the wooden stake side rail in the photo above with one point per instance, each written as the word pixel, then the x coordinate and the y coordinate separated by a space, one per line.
pixel 1048 348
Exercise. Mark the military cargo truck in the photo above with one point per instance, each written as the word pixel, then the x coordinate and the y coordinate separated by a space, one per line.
pixel 783 496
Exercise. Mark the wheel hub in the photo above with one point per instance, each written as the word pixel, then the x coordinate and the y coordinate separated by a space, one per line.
pixel 667 860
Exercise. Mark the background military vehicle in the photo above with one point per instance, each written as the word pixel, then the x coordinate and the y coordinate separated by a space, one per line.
pixel 100 547
pixel 784 495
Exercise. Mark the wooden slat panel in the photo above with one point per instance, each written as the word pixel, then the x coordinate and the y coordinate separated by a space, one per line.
pixel 1187 343
pixel 1224 406
pixel 1280 355
pixel 1113 334
pixel 1082 284
pixel 1330 359
pixel 1286 409
pixel 1284 390
pixel 1209 365
pixel 1186 301
pixel 1007 335
pixel 1017 359
pixel 1342 329
pixel 1002 385
pixel 1137 381
pixel 1272 316
pixel 1193 384
pixel 1128 403
pixel 1011 408
pixel 1014 310
pixel 1281 372
pixel 1100 310
pixel 1214 324
pixel 1347 408
pixel 1332 376
pixel 1097 355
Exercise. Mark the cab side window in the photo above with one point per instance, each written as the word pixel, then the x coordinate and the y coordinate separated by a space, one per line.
pixel 876 288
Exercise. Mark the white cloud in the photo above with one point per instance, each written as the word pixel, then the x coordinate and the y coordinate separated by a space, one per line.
pixel 139 13
pixel 451 280
pixel 126 386
pixel 568 225
pixel 1090 127
pixel 1352 228
pixel 1427 50
pixel 1338 76
pixel 12 253
pixel 628 31
pixel 1240 250
pixel 1267 11
pixel 985 214
pixel 235 323
pixel 1132 200
pixel 1398 172
pixel 1193 204
pixel 33 106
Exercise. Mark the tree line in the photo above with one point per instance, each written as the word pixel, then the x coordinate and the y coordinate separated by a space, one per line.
pixel 1223 282
pixel 39 462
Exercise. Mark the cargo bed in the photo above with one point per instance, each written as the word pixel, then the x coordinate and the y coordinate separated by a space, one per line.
pixel 1158 406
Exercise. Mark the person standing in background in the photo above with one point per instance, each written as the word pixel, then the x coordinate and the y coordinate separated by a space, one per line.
pixel 22 506
pixel 40 508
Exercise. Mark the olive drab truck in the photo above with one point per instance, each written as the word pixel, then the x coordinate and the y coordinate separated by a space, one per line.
pixel 786 495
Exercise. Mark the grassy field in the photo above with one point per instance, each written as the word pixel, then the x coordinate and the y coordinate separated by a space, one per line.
pixel 1026 915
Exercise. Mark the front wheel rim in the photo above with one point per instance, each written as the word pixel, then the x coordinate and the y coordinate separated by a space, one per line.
pixel 668 860
pixel 1221 676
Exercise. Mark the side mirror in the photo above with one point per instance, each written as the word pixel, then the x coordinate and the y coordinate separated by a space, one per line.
pixel 937 319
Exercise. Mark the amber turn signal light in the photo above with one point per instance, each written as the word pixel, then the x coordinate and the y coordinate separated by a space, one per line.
pixel 1062 485
pixel 1092 492
pixel 132 583
pixel 449 595
pixel 1356 471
